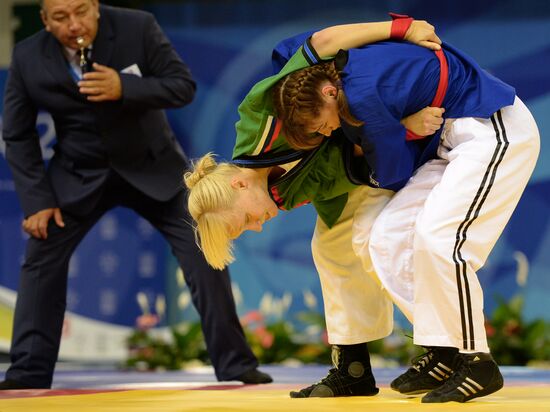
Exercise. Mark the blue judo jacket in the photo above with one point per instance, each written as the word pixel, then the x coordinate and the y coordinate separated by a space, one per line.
pixel 387 81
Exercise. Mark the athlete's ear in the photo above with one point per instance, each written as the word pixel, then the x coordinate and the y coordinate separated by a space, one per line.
pixel 237 182
pixel 329 90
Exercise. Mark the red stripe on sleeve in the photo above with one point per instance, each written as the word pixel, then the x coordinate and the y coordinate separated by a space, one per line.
pixel 275 134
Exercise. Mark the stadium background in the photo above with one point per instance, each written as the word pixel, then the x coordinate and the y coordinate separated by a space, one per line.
pixel 227 45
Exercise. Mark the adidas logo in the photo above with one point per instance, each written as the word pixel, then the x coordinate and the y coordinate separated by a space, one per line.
pixel 476 359
pixel 469 387
pixel 440 372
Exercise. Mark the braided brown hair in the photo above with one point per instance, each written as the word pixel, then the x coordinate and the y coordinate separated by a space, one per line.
pixel 298 100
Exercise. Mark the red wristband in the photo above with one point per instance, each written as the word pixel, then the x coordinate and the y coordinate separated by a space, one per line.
pixel 399 25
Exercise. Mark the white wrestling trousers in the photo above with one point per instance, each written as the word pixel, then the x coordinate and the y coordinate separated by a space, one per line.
pixel 422 249
pixel 437 232
pixel 357 309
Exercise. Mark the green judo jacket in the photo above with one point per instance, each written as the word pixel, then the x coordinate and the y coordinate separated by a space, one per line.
pixel 323 176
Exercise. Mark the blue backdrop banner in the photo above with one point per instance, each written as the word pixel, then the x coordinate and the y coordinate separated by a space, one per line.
pixel 123 257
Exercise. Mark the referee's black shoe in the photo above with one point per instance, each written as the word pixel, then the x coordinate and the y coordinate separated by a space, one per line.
pixel 8 385
pixel 352 375
pixel 254 376
pixel 476 375
pixel 428 371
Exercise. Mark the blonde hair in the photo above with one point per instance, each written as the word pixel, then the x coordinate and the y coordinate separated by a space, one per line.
pixel 210 194
pixel 298 100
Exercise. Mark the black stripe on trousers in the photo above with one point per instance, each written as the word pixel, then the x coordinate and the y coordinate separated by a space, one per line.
pixel 473 212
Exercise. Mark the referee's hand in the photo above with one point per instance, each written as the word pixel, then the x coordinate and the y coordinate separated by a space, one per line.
pixel 37 225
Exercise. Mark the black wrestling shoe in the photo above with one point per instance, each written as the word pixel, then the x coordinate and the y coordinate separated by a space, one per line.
pixel 8 385
pixel 254 376
pixel 429 371
pixel 352 375
pixel 476 375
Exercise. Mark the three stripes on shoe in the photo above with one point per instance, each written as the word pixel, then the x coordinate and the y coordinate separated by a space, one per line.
pixel 441 372
pixel 468 390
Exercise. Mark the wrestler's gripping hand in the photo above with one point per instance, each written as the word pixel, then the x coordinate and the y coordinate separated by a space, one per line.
pixel 423 33
pixel 425 122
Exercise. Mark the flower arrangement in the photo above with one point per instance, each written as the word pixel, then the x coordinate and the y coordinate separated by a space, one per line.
pixel 168 348
pixel 515 341
pixel 276 338
pixel 272 338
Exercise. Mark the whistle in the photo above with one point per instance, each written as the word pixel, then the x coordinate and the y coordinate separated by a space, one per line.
pixel 83 63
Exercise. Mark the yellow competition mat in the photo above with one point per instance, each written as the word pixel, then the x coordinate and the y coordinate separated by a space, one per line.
pixel 247 398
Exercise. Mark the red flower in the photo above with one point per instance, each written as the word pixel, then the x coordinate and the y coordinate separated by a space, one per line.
pixel 265 337
pixel 489 329
pixel 146 322
pixel 254 316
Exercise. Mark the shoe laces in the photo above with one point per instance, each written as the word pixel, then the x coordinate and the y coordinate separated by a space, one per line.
pixel 336 357
pixel 421 361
